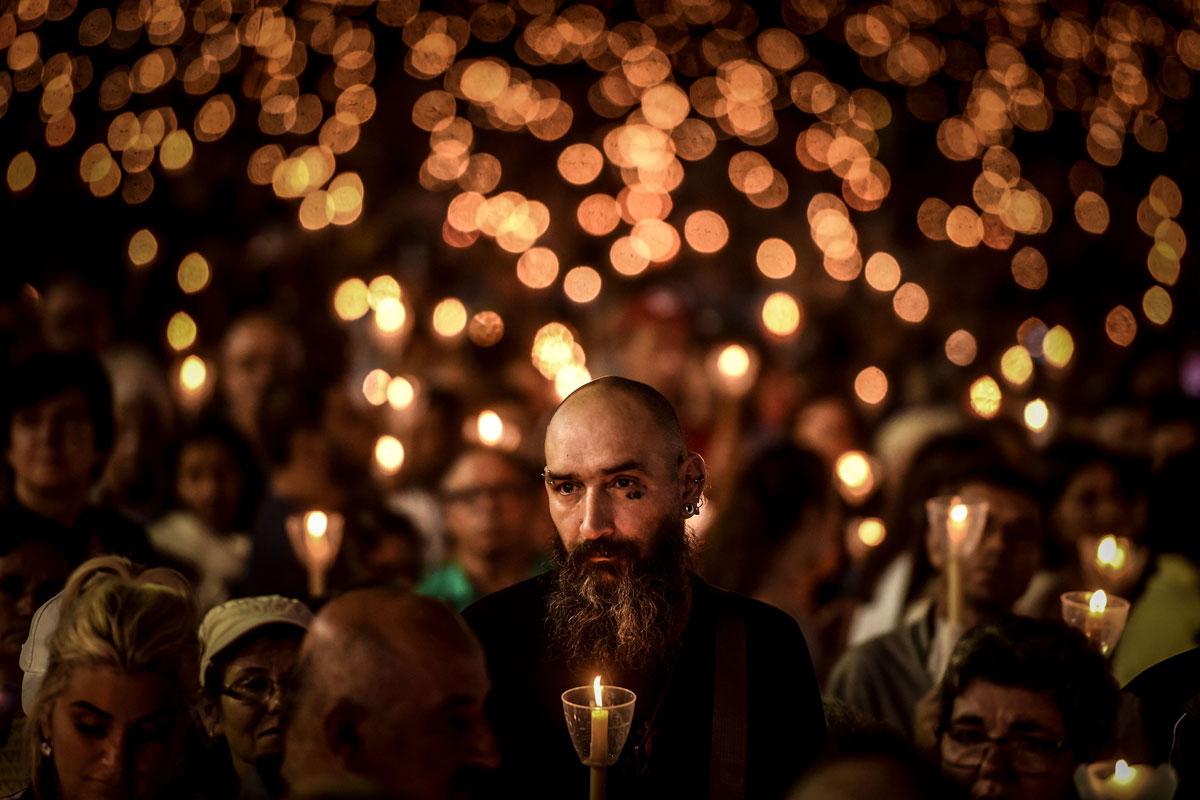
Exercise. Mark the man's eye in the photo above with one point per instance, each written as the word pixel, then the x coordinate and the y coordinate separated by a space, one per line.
pixel 565 488
pixel 624 483
pixel 967 735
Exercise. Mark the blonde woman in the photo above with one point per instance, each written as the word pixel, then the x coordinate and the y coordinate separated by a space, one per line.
pixel 109 717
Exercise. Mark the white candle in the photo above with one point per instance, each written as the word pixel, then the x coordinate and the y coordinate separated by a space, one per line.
pixel 599 747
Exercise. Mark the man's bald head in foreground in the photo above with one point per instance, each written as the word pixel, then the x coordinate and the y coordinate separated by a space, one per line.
pixel 637 403
pixel 389 698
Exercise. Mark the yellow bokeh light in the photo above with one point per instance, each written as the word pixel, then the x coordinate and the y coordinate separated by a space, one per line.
pixel 21 171
pixel 985 397
pixel 1037 415
pixel 1058 346
pixel 1157 305
pixel 882 272
pixel 351 299
pixel 734 361
pixel 143 248
pixel 871 531
pixel 537 267
pixel 855 473
pixel 194 273
pixel 582 284
pixel 490 427
pixel 570 378
pixel 375 386
pixel 400 393
pixel 193 373
pixel 390 315
pixel 382 287
pixel 389 454
pixel 176 150
pixel 181 331
pixel 781 314
pixel 1016 365
pixel 449 318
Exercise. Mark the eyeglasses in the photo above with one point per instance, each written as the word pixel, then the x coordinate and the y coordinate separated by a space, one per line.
pixel 254 689
pixel 1029 754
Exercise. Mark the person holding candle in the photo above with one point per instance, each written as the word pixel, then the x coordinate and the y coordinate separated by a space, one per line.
pixel 1023 703
pixel 886 677
pixel 727 704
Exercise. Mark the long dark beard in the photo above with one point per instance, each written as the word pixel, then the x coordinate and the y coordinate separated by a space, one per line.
pixel 623 613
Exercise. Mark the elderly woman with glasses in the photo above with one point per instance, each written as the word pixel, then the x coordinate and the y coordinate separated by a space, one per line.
pixel 1023 703
pixel 248 647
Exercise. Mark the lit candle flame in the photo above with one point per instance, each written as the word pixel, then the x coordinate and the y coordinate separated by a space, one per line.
pixel 596 689
pixel 316 523
pixel 1098 602
pixel 958 513
pixel 1123 773
pixel 1109 553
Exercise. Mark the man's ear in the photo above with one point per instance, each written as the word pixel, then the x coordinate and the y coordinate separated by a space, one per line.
pixel 343 734
pixel 694 478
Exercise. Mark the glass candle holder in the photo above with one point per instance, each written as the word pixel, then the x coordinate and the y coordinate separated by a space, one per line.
pixel 598 731
pixel 316 538
pixel 1117 780
pixel 1101 617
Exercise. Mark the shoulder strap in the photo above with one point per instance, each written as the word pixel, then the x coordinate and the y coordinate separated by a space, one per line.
pixel 727 766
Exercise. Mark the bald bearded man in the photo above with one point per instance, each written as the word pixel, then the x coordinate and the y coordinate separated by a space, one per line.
pixel 388 702
pixel 727 704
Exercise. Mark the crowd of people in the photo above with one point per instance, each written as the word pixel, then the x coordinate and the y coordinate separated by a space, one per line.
pixel 161 637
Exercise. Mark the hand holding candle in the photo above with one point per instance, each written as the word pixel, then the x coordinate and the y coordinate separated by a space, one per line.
pixel 1100 616
pixel 957 527
pixel 598 720
pixel 1106 780
pixel 316 538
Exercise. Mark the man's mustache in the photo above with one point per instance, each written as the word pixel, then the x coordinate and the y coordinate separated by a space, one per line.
pixel 615 549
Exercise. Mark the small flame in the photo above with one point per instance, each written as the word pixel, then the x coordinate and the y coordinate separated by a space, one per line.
pixel 1109 553
pixel 316 523
pixel 958 513
pixel 598 692
pixel 1122 772
pixel 1098 602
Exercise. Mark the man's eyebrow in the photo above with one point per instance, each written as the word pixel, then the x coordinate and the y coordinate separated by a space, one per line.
pixel 1032 726
pixel 624 466
pixel 548 475
pixel 968 719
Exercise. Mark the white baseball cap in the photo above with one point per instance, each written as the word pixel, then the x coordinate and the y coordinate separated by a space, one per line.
pixel 35 653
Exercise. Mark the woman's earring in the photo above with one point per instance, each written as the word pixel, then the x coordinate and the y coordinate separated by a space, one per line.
pixel 46 748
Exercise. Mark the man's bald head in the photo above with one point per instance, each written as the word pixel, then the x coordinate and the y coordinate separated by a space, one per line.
pixel 380 671
pixel 616 395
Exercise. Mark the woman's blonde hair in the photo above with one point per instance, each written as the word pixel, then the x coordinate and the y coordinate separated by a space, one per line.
pixel 118 615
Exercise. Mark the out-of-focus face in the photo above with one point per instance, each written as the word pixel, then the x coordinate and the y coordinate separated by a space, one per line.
pixel 52 445
pixel 445 741
pixel 610 475
pixel 487 505
pixel 249 716
pixel 256 351
pixel 1007 743
pixel 75 317
pixel 1092 504
pixel 30 574
pixel 210 483
pixel 1009 552
pixel 114 734
pixel 827 427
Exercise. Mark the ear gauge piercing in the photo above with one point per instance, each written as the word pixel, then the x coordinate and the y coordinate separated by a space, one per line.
pixel 690 510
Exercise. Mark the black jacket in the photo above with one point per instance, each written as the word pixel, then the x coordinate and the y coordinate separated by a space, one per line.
pixel 784 722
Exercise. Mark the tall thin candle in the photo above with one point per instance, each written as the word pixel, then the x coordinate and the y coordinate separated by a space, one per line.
pixel 599 746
